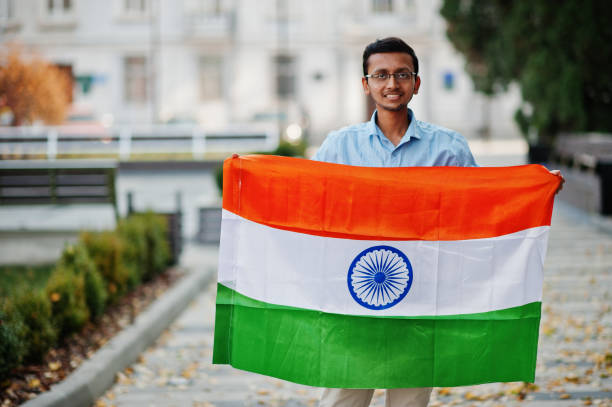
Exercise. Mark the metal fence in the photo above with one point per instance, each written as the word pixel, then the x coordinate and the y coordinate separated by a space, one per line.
pixel 586 162
pixel 53 142
pixel 209 225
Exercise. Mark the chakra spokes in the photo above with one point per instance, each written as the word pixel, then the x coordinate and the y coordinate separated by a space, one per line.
pixel 380 277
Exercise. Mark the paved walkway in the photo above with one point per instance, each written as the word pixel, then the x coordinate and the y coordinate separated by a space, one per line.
pixel 574 362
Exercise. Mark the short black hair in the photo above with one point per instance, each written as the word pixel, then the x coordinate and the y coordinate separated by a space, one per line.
pixel 389 44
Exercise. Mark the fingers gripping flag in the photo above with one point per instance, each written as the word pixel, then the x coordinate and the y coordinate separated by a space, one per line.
pixel 355 277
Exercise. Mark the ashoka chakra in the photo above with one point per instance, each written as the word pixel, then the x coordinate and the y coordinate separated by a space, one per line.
pixel 379 277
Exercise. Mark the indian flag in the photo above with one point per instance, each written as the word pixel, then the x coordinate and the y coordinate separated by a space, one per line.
pixel 354 277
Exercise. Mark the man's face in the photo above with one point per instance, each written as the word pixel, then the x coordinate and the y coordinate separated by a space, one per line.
pixel 391 94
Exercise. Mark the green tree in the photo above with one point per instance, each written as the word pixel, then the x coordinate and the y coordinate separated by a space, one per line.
pixel 557 51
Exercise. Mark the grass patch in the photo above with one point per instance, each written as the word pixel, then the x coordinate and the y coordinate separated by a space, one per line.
pixel 16 278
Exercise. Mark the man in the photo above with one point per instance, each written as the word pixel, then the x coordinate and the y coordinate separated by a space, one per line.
pixel 392 138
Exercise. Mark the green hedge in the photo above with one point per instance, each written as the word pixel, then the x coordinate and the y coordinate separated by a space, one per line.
pixel 91 274
pixel 149 253
pixel 11 347
pixel 38 333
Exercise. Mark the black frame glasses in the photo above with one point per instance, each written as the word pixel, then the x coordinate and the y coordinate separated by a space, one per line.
pixel 400 76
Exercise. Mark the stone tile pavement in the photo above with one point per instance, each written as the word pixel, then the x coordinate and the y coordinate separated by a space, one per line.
pixel 574 356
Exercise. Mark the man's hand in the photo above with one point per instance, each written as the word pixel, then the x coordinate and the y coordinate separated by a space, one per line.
pixel 557 173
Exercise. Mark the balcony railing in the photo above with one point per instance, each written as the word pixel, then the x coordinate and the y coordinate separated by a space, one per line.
pixel 125 142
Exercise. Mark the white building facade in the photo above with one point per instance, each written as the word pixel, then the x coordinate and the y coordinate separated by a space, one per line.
pixel 217 62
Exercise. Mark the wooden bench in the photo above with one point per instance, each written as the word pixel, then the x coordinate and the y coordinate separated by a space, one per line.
pixel 57 182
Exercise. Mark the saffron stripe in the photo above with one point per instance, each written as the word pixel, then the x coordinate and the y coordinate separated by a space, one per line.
pixel 417 203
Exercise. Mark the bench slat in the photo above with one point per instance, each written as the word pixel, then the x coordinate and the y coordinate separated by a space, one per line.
pixel 81 179
pixel 27 192
pixel 84 191
pixel 8 180
pixel 59 183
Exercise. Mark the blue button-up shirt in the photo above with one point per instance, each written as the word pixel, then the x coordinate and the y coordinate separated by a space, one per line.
pixel 423 145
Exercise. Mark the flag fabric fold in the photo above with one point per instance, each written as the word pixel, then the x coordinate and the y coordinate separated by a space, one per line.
pixel 362 277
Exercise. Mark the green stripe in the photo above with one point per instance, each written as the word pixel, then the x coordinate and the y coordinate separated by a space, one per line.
pixel 333 350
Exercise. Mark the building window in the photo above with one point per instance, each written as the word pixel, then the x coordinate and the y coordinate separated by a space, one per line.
pixel 59 8
pixel 285 76
pixel 135 79
pixel 136 8
pixel 207 8
pixel 57 13
pixel 204 10
pixel 210 70
pixel 382 6
pixel 7 10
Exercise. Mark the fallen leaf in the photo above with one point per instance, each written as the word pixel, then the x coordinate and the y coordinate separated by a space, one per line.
pixel 572 378
pixel 471 396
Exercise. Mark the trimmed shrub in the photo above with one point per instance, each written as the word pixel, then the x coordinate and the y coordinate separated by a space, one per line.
pixel 65 290
pixel 101 266
pixel 38 334
pixel 158 251
pixel 133 231
pixel 106 250
pixel 77 258
pixel 11 347
pixel 290 150
pixel 95 294
pixel 147 247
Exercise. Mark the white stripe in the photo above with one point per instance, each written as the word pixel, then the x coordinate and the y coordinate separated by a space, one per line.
pixel 449 277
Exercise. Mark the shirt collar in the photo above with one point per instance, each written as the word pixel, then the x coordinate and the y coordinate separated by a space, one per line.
pixel 410 132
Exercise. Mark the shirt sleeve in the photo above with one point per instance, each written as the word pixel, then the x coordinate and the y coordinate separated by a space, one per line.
pixel 462 155
pixel 327 152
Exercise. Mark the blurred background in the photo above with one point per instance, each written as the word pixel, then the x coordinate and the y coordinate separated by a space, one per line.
pixel 164 90
pixel 294 65
pixel 111 109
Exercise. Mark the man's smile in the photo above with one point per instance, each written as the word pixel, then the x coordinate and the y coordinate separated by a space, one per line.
pixel 393 96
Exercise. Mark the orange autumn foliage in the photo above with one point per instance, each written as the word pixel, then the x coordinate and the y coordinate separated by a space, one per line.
pixel 31 88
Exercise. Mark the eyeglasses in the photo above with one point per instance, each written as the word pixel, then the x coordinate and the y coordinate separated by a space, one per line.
pixel 384 77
